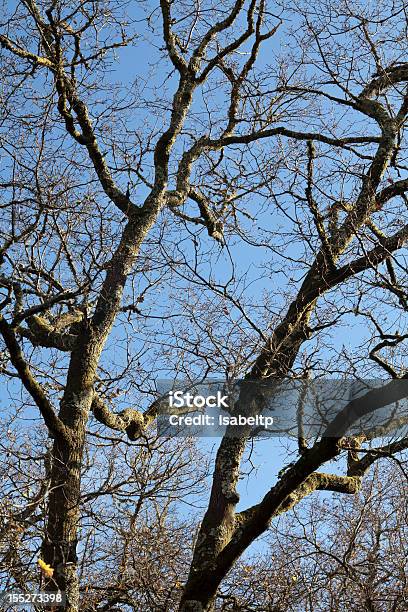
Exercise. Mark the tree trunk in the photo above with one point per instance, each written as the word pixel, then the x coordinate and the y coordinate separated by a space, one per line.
pixel 60 541
pixel 199 597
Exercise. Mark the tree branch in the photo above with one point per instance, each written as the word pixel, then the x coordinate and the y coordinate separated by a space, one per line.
pixel 131 421
pixel 45 407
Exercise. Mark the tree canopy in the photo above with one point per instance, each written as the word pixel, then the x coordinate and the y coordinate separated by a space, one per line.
pixel 189 190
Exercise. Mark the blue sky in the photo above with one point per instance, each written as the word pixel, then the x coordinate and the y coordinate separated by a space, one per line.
pixel 139 64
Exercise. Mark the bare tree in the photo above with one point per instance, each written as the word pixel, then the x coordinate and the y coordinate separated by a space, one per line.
pixel 124 204
pixel 138 508
pixel 336 553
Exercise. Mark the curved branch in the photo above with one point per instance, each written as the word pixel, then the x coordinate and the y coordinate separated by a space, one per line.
pixel 33 387
pixel 131 421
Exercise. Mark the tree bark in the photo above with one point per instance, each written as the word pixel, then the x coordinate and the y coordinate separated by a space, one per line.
pixel 60 542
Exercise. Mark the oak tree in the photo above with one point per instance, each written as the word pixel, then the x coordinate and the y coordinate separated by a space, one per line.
pixel 146 150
